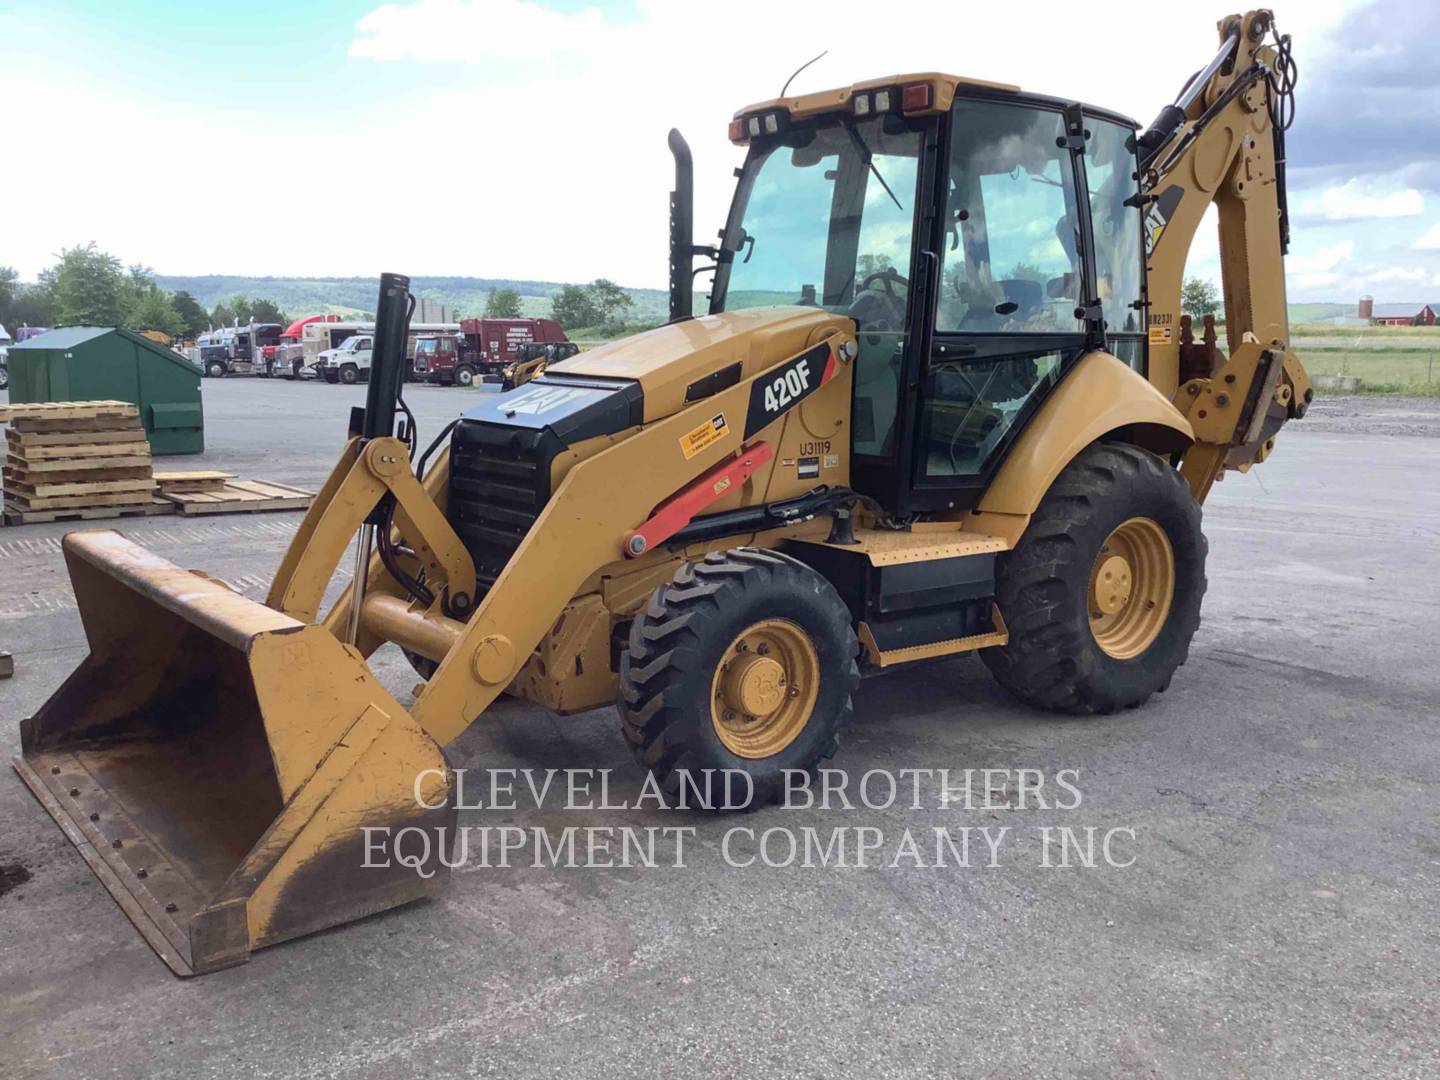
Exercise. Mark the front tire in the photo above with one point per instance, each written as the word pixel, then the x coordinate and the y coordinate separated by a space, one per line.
pixel 464 376
pixel 215 369
pixel 744 662
pixel 1102 593
pixel 349 374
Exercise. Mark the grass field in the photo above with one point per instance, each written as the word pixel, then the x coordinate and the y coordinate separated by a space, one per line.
pixel 1366 334
pixel 1381 371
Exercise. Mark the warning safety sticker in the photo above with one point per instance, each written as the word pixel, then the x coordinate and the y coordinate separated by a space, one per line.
pixel 706 434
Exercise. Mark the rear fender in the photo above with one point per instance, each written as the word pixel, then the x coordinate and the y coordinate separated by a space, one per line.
pixel 1101 397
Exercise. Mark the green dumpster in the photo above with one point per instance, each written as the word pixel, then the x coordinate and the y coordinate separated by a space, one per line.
pixel 97 363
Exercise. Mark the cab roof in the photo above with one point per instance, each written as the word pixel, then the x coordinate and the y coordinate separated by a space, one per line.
pixel 914 94
pixel 822 101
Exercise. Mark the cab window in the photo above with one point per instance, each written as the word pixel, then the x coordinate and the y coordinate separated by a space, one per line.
pixel 1011 263
pixel 1110 173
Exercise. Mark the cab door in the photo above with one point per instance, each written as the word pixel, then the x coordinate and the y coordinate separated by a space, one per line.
pixel 1010 316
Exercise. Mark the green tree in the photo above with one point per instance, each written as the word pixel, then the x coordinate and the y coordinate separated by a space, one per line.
pixel 267 311
pixel 193 316
pixel 867 264
pixel 155 310
pixel 1199 297
pixel 9 289
pixel 610 300
pixel 34 305
pixel 240 307
pixel 1023 271
pixel 502 304
pixel 222 316
pixel 573 307
pixel 89 287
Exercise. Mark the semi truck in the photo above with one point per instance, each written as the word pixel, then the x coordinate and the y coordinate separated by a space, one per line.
pixel 481 350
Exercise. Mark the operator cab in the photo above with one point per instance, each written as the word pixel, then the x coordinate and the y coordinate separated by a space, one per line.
pixel 982 239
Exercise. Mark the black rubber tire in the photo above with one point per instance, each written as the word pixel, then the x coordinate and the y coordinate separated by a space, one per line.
pixel 464 375
pixel 676 641
pixel 1052 660
pixel 4 377
pixel 215 370
pixel 349 374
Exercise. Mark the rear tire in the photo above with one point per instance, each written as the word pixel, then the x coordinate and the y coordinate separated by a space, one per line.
pixel 1078 645
pixel 689 663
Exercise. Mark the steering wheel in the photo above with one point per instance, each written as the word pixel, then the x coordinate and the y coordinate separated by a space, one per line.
pixel 877 306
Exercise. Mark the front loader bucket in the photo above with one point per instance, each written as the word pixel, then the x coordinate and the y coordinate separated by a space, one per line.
pixel 217 763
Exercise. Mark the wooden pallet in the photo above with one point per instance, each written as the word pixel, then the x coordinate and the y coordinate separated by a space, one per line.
pixel 67 410
pixel 19 500
pixel 88 464
pixel 241 496
pixel 20 479
pixel 186 482
pixel 15 516
pixel 30 441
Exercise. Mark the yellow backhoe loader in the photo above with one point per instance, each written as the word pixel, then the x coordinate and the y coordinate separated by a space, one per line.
pixel 941 401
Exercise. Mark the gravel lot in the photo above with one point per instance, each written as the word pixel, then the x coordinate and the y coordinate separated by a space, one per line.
pixel 1278 809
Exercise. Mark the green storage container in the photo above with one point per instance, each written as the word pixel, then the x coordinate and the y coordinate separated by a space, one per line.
pixel 97 363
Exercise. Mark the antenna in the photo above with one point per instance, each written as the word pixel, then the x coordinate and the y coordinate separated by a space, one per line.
pixel 801 68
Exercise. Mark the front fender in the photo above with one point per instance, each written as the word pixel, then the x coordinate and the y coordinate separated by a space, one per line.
pixel 1099 396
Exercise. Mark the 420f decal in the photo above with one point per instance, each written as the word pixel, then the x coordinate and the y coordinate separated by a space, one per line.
pixel 777 392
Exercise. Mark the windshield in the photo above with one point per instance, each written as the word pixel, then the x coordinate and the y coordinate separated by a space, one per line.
pixel 822 216
pixel 426 345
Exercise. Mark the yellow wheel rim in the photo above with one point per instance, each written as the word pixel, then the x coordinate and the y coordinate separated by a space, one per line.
pixel 764 689
pixel 1132 584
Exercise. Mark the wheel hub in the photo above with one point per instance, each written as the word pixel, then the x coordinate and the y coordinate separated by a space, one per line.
pixel 765 688
pixel 1111 590
pixel 755 685
pixel 1132 584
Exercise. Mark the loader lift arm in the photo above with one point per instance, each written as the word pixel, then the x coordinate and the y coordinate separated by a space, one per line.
pixel 1222 143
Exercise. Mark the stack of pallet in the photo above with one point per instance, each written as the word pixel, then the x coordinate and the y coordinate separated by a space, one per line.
pixel 76 459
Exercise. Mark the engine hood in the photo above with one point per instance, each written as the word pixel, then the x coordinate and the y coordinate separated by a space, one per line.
pixel 674 364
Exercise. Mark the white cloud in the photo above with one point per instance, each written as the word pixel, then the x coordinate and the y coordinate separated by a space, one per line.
pixel 450 30
pixel 1321 280
pixel 528 141
pixel 1321 259
pixel 1398 273
pixel 1429 240
pixel 1360 199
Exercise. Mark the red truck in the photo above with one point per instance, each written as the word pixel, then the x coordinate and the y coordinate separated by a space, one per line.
pixel 482 349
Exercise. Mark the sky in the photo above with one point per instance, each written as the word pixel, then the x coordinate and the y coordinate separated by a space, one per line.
pixel 526 138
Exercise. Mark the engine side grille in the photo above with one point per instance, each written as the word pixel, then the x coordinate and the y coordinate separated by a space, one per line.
pixel 499 484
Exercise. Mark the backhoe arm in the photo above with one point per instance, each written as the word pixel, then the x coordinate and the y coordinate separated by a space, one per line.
pixel 1223 143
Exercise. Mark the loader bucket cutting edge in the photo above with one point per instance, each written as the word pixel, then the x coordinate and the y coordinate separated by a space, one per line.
pixel 216 763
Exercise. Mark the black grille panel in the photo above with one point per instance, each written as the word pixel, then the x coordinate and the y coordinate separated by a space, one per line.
pixel 499 483
pixel 502 451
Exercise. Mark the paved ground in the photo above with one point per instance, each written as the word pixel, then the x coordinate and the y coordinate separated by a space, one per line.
pixel 1281 916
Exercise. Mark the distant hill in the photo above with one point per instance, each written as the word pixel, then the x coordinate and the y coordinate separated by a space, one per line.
pixel 300 296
